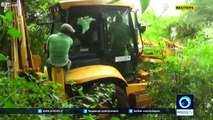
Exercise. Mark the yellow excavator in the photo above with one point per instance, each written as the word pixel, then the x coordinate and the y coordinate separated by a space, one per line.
pixel 95 59
pixel 21 58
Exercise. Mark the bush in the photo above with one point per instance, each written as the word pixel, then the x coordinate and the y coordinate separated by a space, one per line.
pixel 37 93
pixel 189 72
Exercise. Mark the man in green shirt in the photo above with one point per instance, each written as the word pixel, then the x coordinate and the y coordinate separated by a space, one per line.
pixel 57 47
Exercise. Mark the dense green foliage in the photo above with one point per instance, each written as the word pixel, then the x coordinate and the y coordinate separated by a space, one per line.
pixel 188 71
pixel 38 93
pixel 6 29
pixel 36 13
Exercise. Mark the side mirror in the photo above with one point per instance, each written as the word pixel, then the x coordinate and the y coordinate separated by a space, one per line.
pixel 142 28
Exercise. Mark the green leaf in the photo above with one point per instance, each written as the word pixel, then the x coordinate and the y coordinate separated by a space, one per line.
pixel 2 57
pixel 8 104
pixel 113 1
pixel 85 105
pixel 123 115
pixel 90 99
pixel 93 106
pixel 88 117
pixel 9 16
pixel 32 86
pixel 14 32
pixel 114 118
pixel 80 91
pixel 2 16
pixel 144 4
pixel 43 117
pixel 56 97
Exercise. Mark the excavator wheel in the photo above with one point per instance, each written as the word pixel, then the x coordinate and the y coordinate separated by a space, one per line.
pixel 119 98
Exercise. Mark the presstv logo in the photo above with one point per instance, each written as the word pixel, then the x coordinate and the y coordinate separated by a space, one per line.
pixel 184 105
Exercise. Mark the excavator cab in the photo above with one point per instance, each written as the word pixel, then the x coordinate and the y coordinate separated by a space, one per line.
pixel 99 38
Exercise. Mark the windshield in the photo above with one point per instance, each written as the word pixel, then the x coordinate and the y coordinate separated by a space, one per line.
pixel 85 22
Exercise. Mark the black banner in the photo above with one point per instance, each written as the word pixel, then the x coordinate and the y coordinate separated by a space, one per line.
pixel 87 111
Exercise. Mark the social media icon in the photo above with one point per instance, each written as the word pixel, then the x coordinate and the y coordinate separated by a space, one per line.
pixel 39 110
pixel 85 111
pixel 130 111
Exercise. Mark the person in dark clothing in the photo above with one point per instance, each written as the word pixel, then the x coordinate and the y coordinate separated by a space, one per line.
pixel 119 36
pixel 91 36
